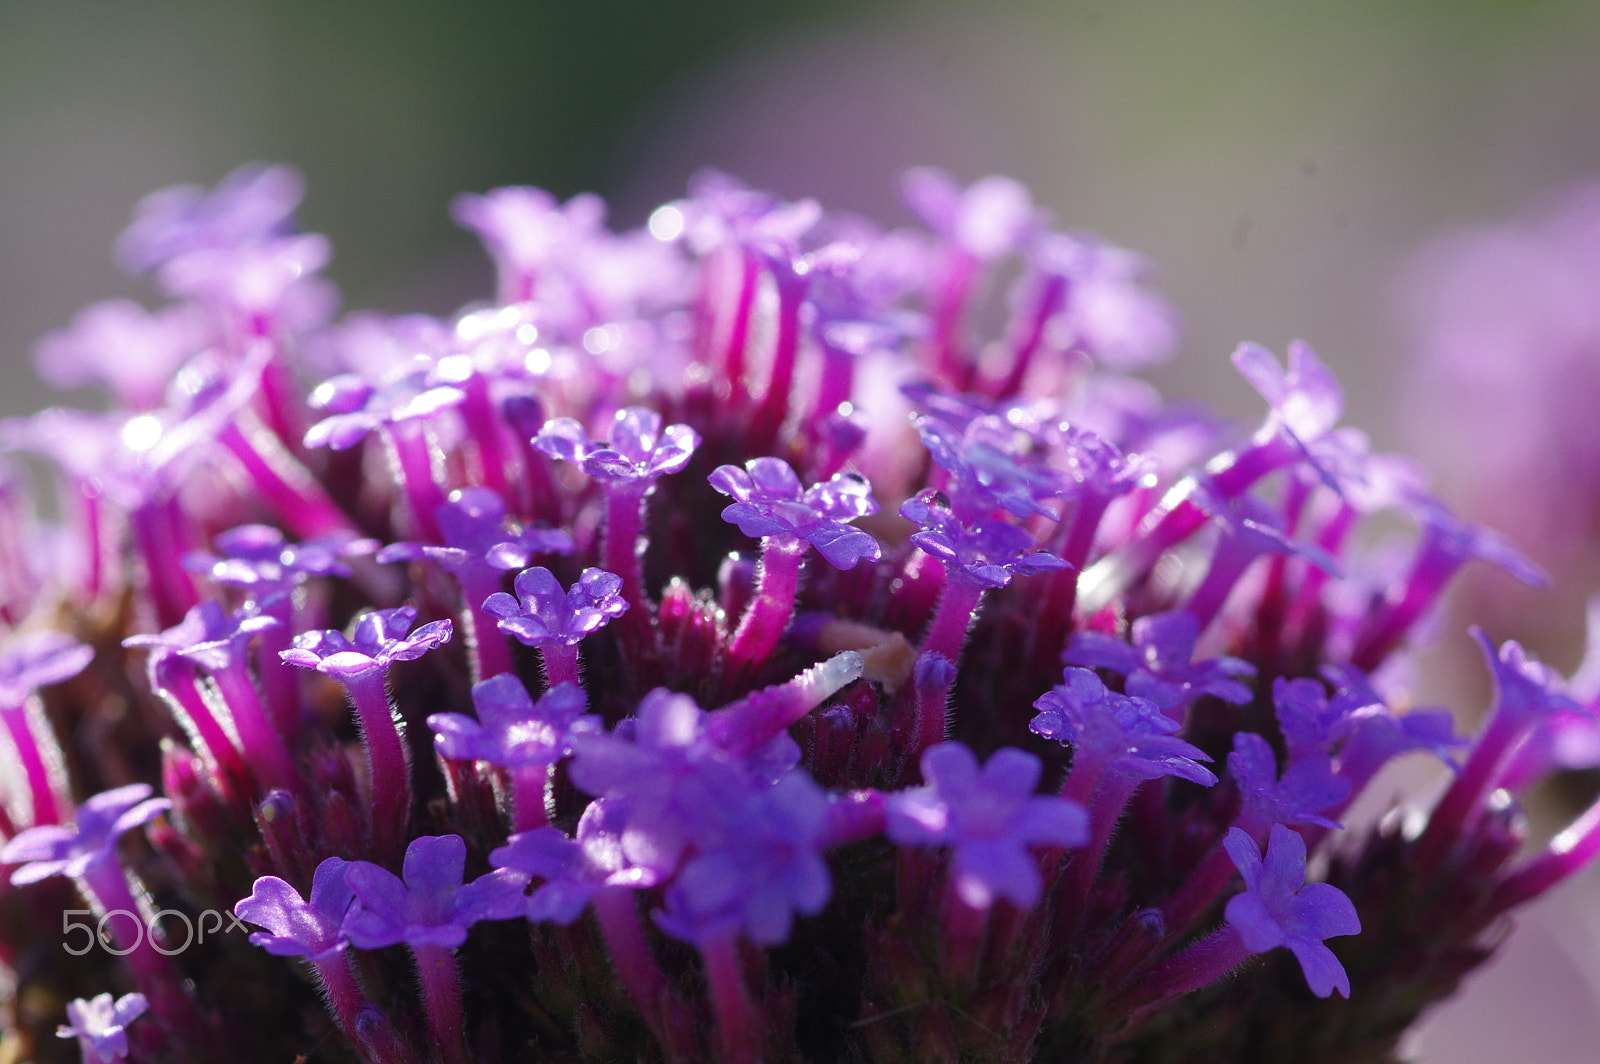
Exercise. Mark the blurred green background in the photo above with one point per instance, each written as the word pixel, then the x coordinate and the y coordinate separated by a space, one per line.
pixel 1275 159
pixel 1278 161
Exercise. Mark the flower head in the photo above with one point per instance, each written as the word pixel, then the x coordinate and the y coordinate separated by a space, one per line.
pixel 380 639
pixel 723 785
pixel 39 659
pixel 1159 664
pixel 573 869
pixel 209 635
pixel 90 841
pixel 300 927
pixel 989 552
pixel 100 1024
pixel 1306 788
pixel 768 501
pixel 1279 908
pixel 427 905
pixel 989 817
pixel 639 450
pixel 680 788
pixel 994 465
pixel 1118 733
pixel 260 560
pixel 543 613
pixel 473 522
pixel 763 871
pixel 253 204
pixel 512 730
pixel 355 405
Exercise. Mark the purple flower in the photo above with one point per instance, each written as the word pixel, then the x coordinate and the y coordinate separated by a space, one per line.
pixel 73 849
pixel 297 927
pixel 1159 664
pixel 1311 722
pixel 767 867
pixel 680 787
pixel 378 641
pixel 271 278
pixel 473 522
pixel 354 406
pixel 987 220
pixel 262 562
pixel 1095 465
pixel 254 204
pixel 1355 724
pixel 1525 689
pixel 574 870
pixel 1306 401
pixel 1105 308
pixel 119 344
pixel 514 731
pixel 100 1025
pixel 988 552
pixel 989 818
pixel 209 636
pixel 546 614
pixel 526 230
pixel 1308 785
pixel 723 210
pixel 995 463
pixel 430 907
pixel 1115 733
pixel 1456 542
pixel 639 449
pixel 769 501
pixel 39 659
pixel 1279 908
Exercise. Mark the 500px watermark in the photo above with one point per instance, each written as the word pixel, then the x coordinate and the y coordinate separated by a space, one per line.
pixel 161 938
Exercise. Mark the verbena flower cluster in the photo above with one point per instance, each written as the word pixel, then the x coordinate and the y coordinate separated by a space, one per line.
pixel 756 637
pixel 1507 342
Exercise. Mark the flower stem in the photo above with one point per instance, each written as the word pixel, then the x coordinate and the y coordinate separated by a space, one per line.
pixel 174 678
pixel 1201 890
pixel 484 426
pixel 280 681
pixel 745 726
pixel 106 886
pixel 1105 810
pixel 561 664
pixel 441 999
pixel 620 545
pixel 1200 965
pixel 837 379
pixel 530 786
pixel 1567 853
pixel 963 929
pixel 738 1029
pixel 343 995
pixel 958 608
pixel 269 757
pixel 25 738
pixel 769 612
pixel 1456 810
pixel 488 652
pixel 157 532
pixel 412 455
pixel 388 763
pixel 618 915
pixel 1027 334
pixel 281 481
pixel 769 417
